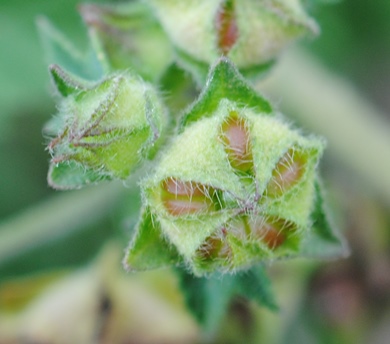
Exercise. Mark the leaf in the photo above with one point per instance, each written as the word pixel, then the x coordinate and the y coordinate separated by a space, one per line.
pixel 208 298
pixel 257 71
pixel 179 88
pixel 199 70
pixel 224 81
pixel 128 36
pixel 149 250
pixel 255 285
pixel 72 175
pixel 321 2
pixel 60 51
pixel 323 240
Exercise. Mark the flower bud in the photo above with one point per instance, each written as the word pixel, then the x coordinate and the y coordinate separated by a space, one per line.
pixel 251 33
pixel 127 35
pixel 104 130
pixel 233 188
pixel 237 186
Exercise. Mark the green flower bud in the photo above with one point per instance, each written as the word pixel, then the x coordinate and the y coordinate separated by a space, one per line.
pixel 237 186
pixel 102 130
pixel 250 32
pixel 128 36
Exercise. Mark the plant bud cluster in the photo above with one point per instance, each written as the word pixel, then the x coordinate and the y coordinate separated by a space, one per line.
pixel 235 188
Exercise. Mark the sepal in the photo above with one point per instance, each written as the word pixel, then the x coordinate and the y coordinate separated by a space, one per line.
pixel 225 82
pixel 149 249
pixel 324 241
pixel 64 83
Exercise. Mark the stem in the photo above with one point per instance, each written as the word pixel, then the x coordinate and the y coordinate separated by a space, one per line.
pixel 56 217
pixel 357 133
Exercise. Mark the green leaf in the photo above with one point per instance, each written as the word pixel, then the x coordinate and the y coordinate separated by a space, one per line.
pixel 257 71
pixel 225 82
pixel 59 50
pixel 309 3
pixel 128 36
pixel 199 70
pixel 208 298
pixel 323 240
pixel 72 175
pixel 179 88
pixel 149 250
pixel 255 285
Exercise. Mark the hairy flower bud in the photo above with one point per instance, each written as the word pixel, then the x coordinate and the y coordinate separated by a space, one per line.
pixel 224 203
pixel 103 130
pixel 237 186
pixel 251 33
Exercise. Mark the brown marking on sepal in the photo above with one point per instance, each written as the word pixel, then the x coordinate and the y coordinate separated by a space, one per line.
pixel 287 172
pixel 235 137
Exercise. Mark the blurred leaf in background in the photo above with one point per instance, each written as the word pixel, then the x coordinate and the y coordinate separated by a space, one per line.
pixel 25 102
pixel 355 42
pixel 27 205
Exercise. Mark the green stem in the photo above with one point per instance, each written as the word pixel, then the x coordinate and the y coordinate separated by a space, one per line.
pixel 55 217
pixel 358 134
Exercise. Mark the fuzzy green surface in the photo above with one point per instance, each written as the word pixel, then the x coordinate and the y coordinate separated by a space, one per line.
pixel 187 234
pixel 225 83
pixel 118 157
pixel 198 155
pixel 190 25
pixel 109 128
pixel 148 249
pixel 264 29
pixel 72 175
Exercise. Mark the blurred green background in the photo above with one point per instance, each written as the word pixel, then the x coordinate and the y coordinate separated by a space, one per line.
pixel 346 301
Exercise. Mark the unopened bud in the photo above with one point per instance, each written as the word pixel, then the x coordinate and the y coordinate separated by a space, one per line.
pixel 251 33
pixel 236 186
pixel 105 129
